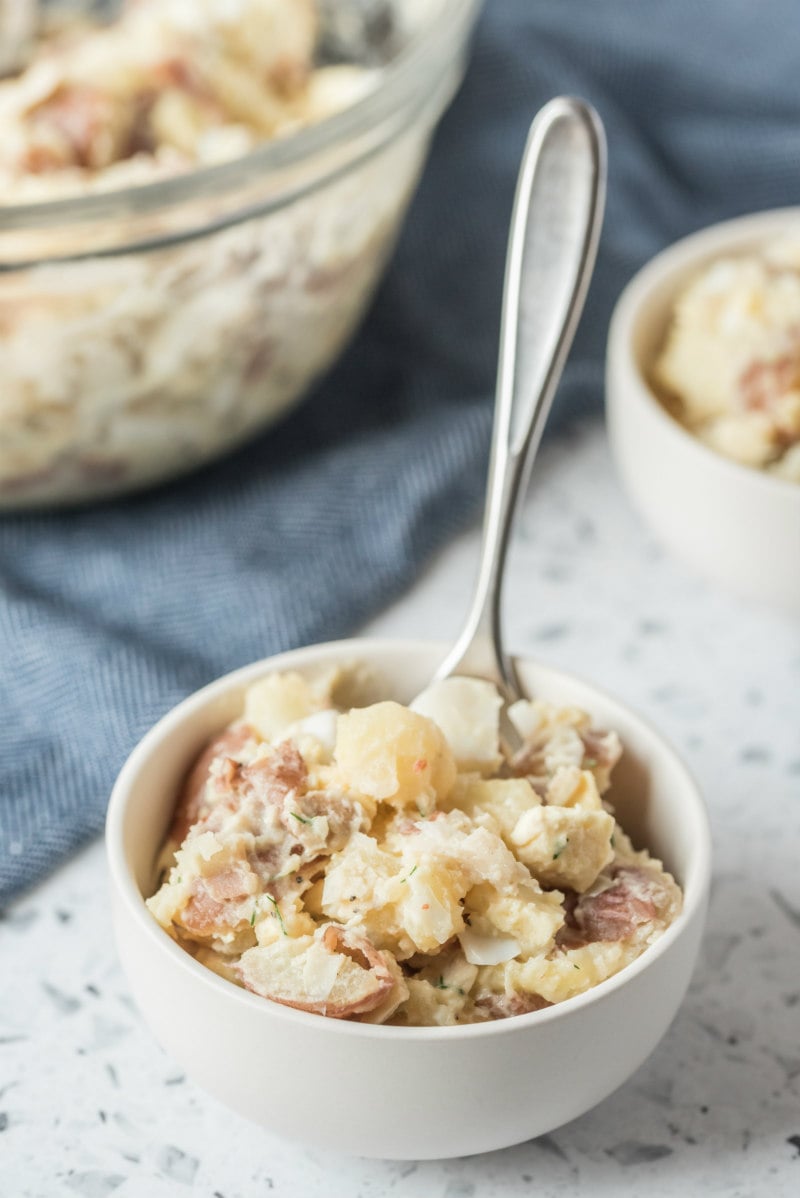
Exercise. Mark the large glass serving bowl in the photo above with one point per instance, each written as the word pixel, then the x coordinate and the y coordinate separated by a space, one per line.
pixel 147 330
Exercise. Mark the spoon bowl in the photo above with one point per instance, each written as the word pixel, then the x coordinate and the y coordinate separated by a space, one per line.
pixel 405 1093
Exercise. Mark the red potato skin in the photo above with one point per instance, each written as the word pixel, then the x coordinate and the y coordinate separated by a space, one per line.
pixel 274 777
pixel 210 905
pixel 203 914
pixel 337 939
pixel 78 114
pixel 763 382
pixel 614 914
pixel 504 1006
pixel 216 900
pixel 271 780
pixel 190 801
pixel 595 745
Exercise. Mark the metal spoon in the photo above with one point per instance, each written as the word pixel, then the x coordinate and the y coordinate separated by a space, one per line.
pixel 555 228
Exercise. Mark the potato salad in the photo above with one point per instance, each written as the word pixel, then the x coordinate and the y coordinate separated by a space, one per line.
pixel 170 85
pixel 730 366
pixel 159 332
pixel 395 864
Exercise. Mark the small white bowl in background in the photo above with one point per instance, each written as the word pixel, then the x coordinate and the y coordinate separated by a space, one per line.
pixel 737 525
pixel 396 1092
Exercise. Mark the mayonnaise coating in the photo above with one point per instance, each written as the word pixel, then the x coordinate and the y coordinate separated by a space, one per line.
pixel 359 865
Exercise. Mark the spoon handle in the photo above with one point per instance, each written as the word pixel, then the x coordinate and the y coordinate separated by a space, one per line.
pixel 555 228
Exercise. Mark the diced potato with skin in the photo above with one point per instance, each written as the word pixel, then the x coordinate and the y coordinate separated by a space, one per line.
pixel 336 972
pixel 394 997
pixel 564 846
pixel 557 738
pixel 276 702
pixel 467 710
pixel 632 903
pixel 202 857
pixel 395 756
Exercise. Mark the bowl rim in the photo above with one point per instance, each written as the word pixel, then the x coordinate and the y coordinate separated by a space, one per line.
pixel 404 83
pixel 696 249
pixel 695 885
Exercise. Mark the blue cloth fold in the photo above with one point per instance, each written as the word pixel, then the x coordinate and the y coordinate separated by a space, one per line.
pixel 110 615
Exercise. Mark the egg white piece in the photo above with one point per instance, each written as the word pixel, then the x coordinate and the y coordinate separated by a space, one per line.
pixel 468 712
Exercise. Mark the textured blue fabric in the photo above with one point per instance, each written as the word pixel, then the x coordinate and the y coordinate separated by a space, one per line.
pixel 110 615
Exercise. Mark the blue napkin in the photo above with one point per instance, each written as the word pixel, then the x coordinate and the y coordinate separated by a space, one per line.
pixel 110 615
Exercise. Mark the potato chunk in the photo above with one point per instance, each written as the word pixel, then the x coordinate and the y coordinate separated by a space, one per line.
pixel 405 906
pixel 336 972
pixel 496 803
pixel 276 702
pixel 574 788
pixel 531 916
pixel 394 755
pixel 564 846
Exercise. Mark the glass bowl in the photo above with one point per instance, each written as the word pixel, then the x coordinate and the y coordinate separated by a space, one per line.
pixel 150 329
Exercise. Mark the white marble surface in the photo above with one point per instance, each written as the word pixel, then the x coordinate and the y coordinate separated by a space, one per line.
pixel 91 1106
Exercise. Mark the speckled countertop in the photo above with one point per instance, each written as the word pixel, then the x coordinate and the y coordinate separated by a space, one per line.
pixel 89 1105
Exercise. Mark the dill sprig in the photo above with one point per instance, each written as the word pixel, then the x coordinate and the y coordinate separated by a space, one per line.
pixel 276 911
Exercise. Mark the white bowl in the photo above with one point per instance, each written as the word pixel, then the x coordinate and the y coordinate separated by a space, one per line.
pixel 737 525
pixel 412 1093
